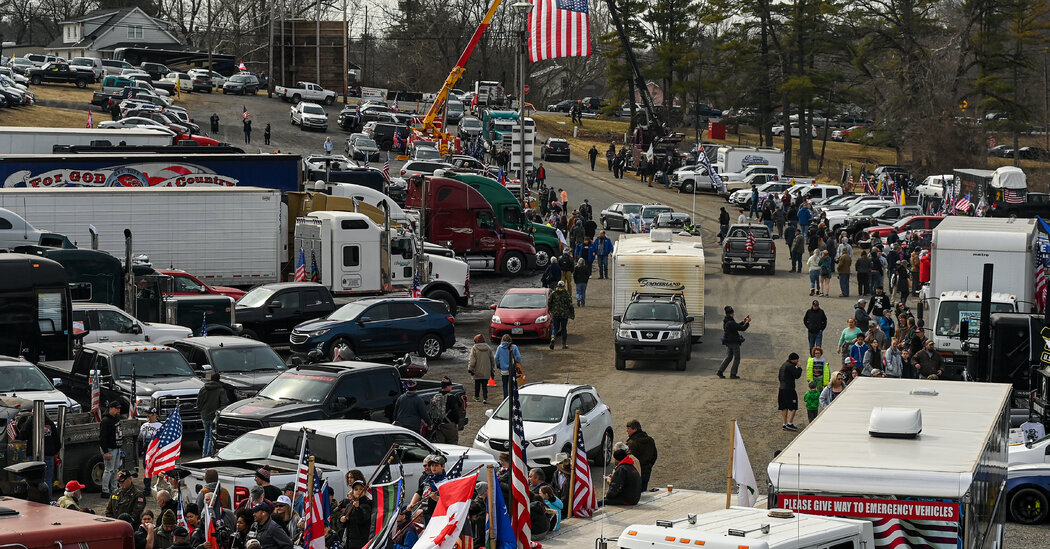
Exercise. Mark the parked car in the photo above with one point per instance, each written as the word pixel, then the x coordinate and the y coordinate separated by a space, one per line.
pixel 308 115
pixel 244 365
pixel 109 323
pixel 619 216
pixel 241 84
pixel 522 313
pixel 156 71
pixel 89 64
pixel 380 325
pixel 454 112
pixel 933 185
pixel 469 127
pixel 561 106
pixel 363 148
pixel 186 284
pixel 17 77
pixel 464 162
pixel 57 72
pixel 654 327
pixel 217 80
pixel 554 148
pixel 40 59
pixel 877 235
pixel 20 377
pixel 1001 151
pixel 649 213
pixel 270 312
pixel 20 65
pixel 1028 493
pixel 674 221
pixel 548 411
pixel 795 131
pixel 422 167
pixel 113 67
pixel 181 80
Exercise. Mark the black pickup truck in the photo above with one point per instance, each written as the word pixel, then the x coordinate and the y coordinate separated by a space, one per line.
pixel 62 73
pixel 735 252
pixel 269 312
pixel 162 378
pixel 245 366
pixel 333 390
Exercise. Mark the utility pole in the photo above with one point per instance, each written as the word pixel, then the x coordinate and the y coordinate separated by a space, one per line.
pixel 346 56
pixel 317 54
pixel 364 55
pixel 269 69
pixel 284 72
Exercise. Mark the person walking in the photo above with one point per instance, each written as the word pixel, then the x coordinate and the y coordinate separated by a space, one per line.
pixel 805 216
pixel 601 248
pixel 482 367
pixel 843 270
pixel 328 145
pixel 753 213
pixel 214 122
pixel 445 429
pixel 593 155
pixel 210 399
pixel 564 196
pixel 827 265
pixel 560 305
pixel 541 174
pixel 247 123
pixel 787 396
pixel 610 155
pixel 552 274
pixel 567 265
pixel 815 320
pixel 798 247
pixel 813 266
pixel 581 275
pixel 266 134
pixel 507 358
pixel 643 448
pixel 410 411
pixel 109 442
pixel 863 266
pixel 732 339
pixel 723 224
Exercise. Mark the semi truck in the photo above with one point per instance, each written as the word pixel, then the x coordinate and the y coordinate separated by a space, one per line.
pixel 497 126
pixel 929 470
pixel 961 246
pixel 458 216
pixel 225 235
pixel 26 140
pixel 39 171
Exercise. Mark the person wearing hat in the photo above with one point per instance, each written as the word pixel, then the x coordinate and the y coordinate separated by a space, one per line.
pixel 355 522
pixel 127 499
pixel 815 320
pixel 297 499
pixel 426 495
pixel 109 442
pixel 181 538
pixel 262 478
pixel 211 481
pixel 560 479
pixel 410 411
pixel 446 428
pixel 210 399
pixel 732 339
pixel 147 432
pixel 266 530
pixel 625 484
pixel 787 396
pixel 559 303
pixel 71 498
pixel 163 534
pixel 285 516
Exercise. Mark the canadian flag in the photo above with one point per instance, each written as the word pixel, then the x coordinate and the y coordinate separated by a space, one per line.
pixel 444 527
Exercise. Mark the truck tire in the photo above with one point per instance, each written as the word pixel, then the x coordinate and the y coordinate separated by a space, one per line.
pixel 1029 505
pixel 430 347
pixel 621 363
pixel 513 264
pixel 543 256
pixel 35 80
pixel 725 268
pixel 442 295
pixel 296 99
pixel 81 84
pixel 687 187
pixel 91 472
pixel 680 364
pixel 329 100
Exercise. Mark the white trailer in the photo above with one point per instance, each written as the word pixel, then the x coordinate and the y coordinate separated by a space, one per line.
pixel 27 140
pixel 735 159
pixel 961 247
pixel 928 471
pixel 659 262
pixel 232 236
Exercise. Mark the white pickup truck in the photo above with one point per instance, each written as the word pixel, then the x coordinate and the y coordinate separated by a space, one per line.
pixel 337 445
pixel 305 91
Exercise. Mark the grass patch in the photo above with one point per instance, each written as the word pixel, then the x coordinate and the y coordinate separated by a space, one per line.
pixel 48 117
pixel 62 92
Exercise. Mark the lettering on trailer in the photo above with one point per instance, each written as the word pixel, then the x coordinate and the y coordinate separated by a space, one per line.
pixel 871 508
pixel 660 283
pixel 753 160
pixel 146 174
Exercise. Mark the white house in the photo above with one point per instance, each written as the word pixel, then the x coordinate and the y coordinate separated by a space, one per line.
pixel 98 33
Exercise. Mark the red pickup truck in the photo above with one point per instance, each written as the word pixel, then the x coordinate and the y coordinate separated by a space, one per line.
pixel 187 284
pixel 878 234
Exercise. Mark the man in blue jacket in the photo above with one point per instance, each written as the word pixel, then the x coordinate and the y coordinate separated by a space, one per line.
pixel 601 248
pixel 805 215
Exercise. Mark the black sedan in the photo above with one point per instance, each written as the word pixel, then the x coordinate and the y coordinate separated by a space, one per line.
pixel 620 216
pixel 561 106
pixel 555 148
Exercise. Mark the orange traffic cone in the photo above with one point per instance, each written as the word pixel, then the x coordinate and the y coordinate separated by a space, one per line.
pixel 492 382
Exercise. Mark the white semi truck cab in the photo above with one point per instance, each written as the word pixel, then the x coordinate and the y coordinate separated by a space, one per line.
pixel 950 309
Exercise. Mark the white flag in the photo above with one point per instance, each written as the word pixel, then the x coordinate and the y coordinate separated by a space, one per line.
pixel 742 472
pixel 650 154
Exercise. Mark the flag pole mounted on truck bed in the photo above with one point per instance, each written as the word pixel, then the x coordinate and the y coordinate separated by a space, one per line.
pixel 729 475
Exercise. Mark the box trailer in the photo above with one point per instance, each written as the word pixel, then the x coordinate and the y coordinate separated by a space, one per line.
pixel 233 236
pixel 929 470
pixel 659 262
pixel 27 140
pixel 735 159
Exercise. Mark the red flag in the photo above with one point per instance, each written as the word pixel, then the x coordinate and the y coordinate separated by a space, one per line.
pixel 451 512
pixel 559 28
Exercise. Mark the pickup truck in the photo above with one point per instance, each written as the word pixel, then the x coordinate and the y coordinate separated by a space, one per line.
pixel 1035 204
pixel 337 447
pixel 163 378
pixel 109 323
pixel 763 252
pixel 331 390
pixel 305 91
pixel 244 366
pixel 60 72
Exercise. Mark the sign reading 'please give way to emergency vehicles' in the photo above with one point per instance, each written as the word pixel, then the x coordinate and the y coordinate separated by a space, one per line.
pixel 871 508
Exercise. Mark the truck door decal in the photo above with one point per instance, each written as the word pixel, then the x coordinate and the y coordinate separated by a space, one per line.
pixel 145 174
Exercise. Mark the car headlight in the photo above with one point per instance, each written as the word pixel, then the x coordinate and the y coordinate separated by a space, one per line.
pixel 496 320
pixel 243 393
pixel 542 318
pixel 623 333
pixel 75 408
pixel 481 438
pixel 318 333
pixel 545 441
pixel 676 334
pixel 144 402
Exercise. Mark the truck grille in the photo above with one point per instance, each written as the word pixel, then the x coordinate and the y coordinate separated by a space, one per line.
pixel 187 408
pixel 649 335
pixel 227 429
pixel 298 338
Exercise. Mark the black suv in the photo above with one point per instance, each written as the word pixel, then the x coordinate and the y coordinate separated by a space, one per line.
pixel 269 312
pixel 654 326
pixel 383 134
pixel 348 119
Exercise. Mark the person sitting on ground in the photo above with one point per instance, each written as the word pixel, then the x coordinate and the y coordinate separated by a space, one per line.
pixel 625 483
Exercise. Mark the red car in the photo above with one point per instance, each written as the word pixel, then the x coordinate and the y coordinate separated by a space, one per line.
pixel 913 223
pixel 198 139
pixel 187 284
pixel 522 313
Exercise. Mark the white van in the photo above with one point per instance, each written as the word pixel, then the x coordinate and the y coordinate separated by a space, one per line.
pixel 933 185
pixel 815 192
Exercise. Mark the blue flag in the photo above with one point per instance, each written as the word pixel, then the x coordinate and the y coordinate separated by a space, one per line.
pixel 504 531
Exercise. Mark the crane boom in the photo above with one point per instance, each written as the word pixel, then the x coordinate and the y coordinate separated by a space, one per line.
pixel 639 80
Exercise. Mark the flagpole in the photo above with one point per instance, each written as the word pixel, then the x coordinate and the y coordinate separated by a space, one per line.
pixel 732 447
pixel 490 473
pixel 382 462
pixel 572 466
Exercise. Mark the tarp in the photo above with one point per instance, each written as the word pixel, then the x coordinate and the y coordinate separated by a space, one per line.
pixel 1009 177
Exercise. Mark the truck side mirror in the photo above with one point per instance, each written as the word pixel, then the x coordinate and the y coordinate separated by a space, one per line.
pixel 341 403
pixel 617 318
pixel 964 330
pixel 274 305
pixel 136 329
pixel 690 318
pixel 56 381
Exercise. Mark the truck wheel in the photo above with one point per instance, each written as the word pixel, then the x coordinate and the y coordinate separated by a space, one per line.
pixel 607 449
pixel 340 342
pixel 430 347
pixel 681 363
pixel 513 264
pixel 621 363
pixel 81 84
pixel 329 100
pixel 725 268
pixel 92 471
pixel 1029 506
pixel 296 99
pixel 442 295
pixel 543 256
pixel 35 80
pixel 687 187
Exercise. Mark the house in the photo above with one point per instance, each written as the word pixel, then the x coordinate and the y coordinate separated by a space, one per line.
pixel 98 33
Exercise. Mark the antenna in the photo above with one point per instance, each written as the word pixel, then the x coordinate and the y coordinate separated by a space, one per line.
pixel 798 494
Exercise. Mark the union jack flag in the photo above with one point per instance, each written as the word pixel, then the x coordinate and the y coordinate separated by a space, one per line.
pixel 300 268
pixel 584 502
pixel 519 464
pixel 166 447
pixel 963 204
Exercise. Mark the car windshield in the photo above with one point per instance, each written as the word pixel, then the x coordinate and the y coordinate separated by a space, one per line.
pixel 312 109
pixel 299 387
pixel 247 446
pixel 246 359
pixel 523 301
pixel 255 298
pixel 455 106
pixel 23 378
pixel 239 79
pixel 538 408
pixel 152 364
pixel 428 154
pixel 650 212
pixel 632 209
pixel 349 311
pixel 950 315
pixel 471 123
pixel 652 311
pixel 364 142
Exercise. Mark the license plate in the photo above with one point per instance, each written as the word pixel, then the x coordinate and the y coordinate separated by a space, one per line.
pixel 517 331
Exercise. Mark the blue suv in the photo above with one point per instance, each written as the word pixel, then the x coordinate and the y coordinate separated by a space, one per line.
pixel 381 325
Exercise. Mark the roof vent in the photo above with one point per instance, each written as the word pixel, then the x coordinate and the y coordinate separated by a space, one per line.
pixel 895 422
pixel 660 235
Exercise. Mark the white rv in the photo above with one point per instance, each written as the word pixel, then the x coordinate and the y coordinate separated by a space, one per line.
pixel 659 262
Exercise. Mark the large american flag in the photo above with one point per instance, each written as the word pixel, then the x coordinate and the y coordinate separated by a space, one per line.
pixel 303 475
pixel 519 486
pixel 750 243
pixel 559 28
pixel 316 513
pixel 1040 273
pixel 166 447
pixel 584 501
pixel 416 290
pixel 96 398
pixel 300 268
pixel 963 204
pixel 893 532
pixel 1012 196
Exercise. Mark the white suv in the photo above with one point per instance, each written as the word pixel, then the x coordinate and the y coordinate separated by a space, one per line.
pixel 548 410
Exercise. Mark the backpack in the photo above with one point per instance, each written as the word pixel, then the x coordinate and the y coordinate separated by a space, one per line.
pixel 437 410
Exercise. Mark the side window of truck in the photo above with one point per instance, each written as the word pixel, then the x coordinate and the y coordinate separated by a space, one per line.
pixel 102 365
pixel 485 220
pixel 351 256
pixel 84 362
pixel 382 386
pixel 415 450
pixel 369 450
pixel 354 389
pixel 313 298
pixel 289 300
